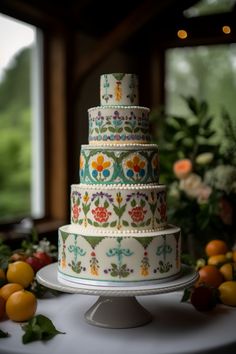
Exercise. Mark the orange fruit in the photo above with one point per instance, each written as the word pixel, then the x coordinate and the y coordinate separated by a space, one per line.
pixel 8 289
pixel 2 307
pixel 210 276
pixel 20 272
pixel 21 306
pixel 227 271
pixel 216 260
pixel 228 293
pixel 215 247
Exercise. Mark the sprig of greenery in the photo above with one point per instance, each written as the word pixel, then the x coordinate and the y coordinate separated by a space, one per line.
pixel 4 334
pixel 39 328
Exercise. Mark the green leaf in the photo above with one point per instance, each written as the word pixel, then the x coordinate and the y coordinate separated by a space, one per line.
pixel 133 203
pixel 39 328
pixel 113 223
pixel 125 223
pixel 142 203
pixel 4 334
pixel 111 129
pixel 106 204
pixel 128 129
pixel 97 202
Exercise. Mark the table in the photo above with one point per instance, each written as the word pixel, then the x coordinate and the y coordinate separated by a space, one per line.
pixel 176 328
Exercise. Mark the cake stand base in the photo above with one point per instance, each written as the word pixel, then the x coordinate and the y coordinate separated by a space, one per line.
pixel 117 307
pixel 117 312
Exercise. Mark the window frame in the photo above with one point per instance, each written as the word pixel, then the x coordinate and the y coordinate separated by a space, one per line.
pixel 55 99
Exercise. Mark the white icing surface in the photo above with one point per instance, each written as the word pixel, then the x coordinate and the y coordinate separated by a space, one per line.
pixel 118 107
pixel 127 187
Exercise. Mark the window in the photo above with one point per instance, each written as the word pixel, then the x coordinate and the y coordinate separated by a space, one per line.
pixel 21 123
pixel 205 72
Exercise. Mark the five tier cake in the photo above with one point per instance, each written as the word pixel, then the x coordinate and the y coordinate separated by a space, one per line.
pixel 119 233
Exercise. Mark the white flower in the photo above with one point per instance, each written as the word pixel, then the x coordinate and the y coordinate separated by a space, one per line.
pixel 174 191
pixel 204 193
pixel 204 158
pixel 222 177
pixel 191 185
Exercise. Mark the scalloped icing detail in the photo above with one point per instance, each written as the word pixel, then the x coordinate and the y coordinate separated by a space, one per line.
pixel 118 107
pixel 120 186
pixel 114 146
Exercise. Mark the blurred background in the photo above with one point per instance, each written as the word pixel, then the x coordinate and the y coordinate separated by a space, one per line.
pixel 51 58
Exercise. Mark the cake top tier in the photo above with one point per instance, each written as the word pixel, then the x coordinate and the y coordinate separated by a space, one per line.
pixel 119 89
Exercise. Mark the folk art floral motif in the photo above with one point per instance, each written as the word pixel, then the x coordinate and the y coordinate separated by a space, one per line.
pixel 118 126
pixel 118 211
pixel 118 254
pixel 118 92
pixel 119 166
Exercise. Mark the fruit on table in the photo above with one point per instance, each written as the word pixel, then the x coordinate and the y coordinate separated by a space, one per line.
pixel 43 257
pixel 203 298
pixel 228 293
pixel 217 259
pixel 21 306
pixel 34 262
pixel 20 272
pixel 227 270
pixel 8 289
pixel 215 247
pixel 210 275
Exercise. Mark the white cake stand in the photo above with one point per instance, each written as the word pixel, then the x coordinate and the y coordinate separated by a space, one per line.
pixel 117 307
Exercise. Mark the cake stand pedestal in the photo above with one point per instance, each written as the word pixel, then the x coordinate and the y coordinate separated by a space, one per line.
pixel 117 307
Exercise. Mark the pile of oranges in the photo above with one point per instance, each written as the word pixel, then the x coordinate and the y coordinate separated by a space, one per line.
pixel 16 302
pixel 218 272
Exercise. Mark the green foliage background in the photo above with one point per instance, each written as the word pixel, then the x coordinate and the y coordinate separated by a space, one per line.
pixel 15 138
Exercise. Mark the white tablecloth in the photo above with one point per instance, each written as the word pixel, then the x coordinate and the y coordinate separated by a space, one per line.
pixel 176 328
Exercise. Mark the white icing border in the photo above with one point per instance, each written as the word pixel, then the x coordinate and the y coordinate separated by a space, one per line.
pixel 119 107
pixel 119 186
pixel 121 146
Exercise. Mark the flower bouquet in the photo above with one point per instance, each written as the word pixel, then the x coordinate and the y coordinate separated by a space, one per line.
pixel 199 168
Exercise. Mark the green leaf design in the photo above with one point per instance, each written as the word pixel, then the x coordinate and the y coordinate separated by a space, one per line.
pixel 133 224
pixel 113 223
pixel 144 241
pixel 105 224
pixel 93 241
pixel 111 129
pixel 64 235
pixel 142 203
pixel 106 204
pixel 128 129
pixel 118 76
pixel 125 223
pixel 97 130
pixel 39 328
pixel 86 208
pixel 133 203
pixel 148 222
pixel 103 130
pixel 90 222
pixel 96 224
pixel 136 130
pixel 80 222
pixel 120 130
pixel 97 202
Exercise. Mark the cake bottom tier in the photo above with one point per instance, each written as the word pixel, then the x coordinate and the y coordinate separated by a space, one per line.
pixel 120 259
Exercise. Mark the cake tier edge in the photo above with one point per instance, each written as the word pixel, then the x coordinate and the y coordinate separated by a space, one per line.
pixel 119 259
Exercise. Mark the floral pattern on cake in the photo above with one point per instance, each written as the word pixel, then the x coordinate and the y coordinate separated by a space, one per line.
pixel 135 168
pixel 120 210
pixel 119 88
pixel 117 166
pixel 119 125
pixel 100 168
pixel 116 258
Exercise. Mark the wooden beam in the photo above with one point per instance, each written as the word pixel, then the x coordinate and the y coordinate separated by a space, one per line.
pixel 30 13
pixel 131 24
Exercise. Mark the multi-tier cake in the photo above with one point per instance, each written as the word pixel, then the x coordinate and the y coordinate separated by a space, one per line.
pixel 118 233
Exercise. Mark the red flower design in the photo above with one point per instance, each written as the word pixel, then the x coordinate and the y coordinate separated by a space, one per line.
pixel 162 211
pixel 75 211
pixel 101 214
pixel 137 214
